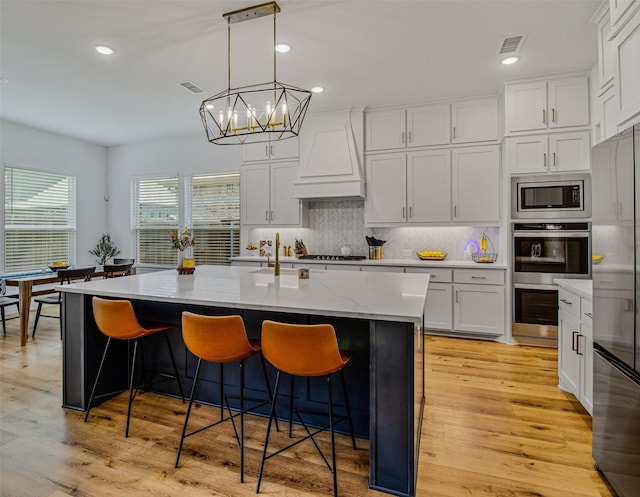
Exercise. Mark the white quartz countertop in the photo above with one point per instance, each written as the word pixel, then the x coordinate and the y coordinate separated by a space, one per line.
pixel 579 287
pixel 364 295
pixel 384 262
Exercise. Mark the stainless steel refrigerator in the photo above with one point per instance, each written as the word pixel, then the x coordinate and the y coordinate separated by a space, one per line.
pixel 616 299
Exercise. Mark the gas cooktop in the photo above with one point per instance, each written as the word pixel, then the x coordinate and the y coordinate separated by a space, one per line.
pixel 333 257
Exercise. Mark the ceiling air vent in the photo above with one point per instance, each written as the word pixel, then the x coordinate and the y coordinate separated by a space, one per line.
pixel 511 44
pixel 188 85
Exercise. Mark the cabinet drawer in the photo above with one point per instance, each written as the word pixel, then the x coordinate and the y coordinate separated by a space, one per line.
pixel 569 302
pixel 586 307
pixel 479 276
pixel 438 275
pixel 613 281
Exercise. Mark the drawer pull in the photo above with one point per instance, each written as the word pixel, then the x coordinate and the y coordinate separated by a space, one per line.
pixel 478 277
pixel 574 346
pixel 565 301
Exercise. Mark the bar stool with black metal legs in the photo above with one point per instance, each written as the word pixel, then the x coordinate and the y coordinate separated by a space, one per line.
pixel 306 351
pixel 117 320
pixel 222 340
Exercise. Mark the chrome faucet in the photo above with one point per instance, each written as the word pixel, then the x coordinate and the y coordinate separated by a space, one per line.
pixel 276 266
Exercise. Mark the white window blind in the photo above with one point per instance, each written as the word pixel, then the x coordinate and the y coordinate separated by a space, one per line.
pixel 155 217
pixel 215 217
pixel 40 219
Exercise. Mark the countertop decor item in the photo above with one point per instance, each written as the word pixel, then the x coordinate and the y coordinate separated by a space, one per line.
pixel 104 250
pixel 263 112
pixel 431 255
pixel 483 256
pixel 54 266
pixel 183 240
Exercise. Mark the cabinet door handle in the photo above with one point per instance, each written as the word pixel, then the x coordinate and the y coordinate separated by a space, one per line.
pixel 589 315
pixel 555 162
pixel 410 212
pixel 455 211
pixel 271 216
pixel 410 138
pixel 574 345
pixel 271 150
pixel 553 114
pixel 544 116
pixel 403 137
pixel 578 344
pixel 454 132
pixel 544 160
pixel 266 215
pixel 457 300
pixel 403 213
pixel 565 301
pixel 266 150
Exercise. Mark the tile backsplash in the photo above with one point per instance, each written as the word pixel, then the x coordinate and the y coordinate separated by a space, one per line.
pixel 334 223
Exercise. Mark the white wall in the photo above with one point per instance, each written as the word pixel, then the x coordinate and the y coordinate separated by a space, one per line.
pixel 39 150
pixel 183 156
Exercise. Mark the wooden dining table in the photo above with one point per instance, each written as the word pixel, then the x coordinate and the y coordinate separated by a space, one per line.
pixel 27 289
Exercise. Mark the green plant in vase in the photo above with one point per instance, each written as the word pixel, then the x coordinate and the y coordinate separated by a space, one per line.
pixel 105 249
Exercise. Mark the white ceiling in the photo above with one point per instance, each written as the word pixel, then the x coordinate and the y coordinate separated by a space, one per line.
pixel 364 52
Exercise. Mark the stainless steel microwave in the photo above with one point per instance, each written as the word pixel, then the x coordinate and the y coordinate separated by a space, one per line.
pixel 551 196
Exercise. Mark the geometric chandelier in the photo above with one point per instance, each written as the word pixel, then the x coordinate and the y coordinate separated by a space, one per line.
pixel 256 113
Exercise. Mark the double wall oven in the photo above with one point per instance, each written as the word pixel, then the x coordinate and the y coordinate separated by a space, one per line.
pixel 550 239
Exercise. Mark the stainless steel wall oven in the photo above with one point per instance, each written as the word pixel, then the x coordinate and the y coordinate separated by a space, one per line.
pixel 541 252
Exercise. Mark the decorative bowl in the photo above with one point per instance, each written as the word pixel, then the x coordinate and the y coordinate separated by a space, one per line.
pixel 54 266
pixel 431 255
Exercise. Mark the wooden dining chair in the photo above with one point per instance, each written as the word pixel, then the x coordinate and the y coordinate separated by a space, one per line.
pixel 66 276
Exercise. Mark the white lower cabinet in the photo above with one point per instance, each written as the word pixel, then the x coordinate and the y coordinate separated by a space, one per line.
pixel 479 309
pixel 575 347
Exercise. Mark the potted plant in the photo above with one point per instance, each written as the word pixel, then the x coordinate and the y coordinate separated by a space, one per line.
pixel 105 249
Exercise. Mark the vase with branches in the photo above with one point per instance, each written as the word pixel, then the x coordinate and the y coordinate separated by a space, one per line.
pixel 183 240
pixel 105 249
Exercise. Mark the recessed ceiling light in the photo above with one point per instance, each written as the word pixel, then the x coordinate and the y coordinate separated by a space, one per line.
pixel 510 60
pixel 283 47
pixel 317 89
pixel 103 49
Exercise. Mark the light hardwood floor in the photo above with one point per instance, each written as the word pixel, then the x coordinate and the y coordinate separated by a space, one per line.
pixel 495 425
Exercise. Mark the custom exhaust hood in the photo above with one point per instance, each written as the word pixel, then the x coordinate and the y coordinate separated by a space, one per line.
pixel 331 152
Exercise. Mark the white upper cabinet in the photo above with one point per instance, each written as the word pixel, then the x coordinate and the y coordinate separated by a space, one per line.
pixel 552 153
pixel 606 54
pixel 271 151
pixel 432 125
pixel 474 121
pixel 543 105
pixel 267 195
pixel 412 187
pixel 476 184
pixel 627 52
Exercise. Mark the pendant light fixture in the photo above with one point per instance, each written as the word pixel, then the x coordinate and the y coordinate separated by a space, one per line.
pixel 256 113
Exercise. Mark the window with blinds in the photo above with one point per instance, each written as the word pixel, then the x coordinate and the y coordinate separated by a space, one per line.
pixel 214 210
pixel 155 217
pixel 40 219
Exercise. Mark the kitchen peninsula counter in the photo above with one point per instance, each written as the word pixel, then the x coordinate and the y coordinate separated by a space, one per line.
pixel 378 316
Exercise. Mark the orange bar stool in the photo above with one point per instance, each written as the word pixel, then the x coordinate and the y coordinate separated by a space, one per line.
pixel 222 340
pixel 117 320
pixel 306 351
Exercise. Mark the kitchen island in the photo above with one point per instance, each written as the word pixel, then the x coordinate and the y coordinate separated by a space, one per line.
pixel 379 316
